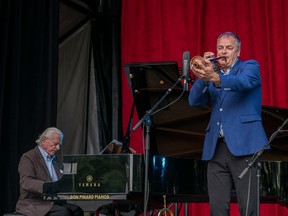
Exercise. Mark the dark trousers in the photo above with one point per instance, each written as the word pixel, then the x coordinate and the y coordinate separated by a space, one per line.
pixel 65 209
pixel 222 173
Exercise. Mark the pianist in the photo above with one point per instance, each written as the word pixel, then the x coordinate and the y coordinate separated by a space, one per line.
pixel 37 166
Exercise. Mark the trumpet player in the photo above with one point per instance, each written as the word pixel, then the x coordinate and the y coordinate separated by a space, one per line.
pixel 235 131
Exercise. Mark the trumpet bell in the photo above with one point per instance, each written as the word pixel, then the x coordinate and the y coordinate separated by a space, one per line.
pixel 194 62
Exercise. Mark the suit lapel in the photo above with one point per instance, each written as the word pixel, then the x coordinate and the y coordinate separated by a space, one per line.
pixel 43 163
pixel 236 68
pixel 233 71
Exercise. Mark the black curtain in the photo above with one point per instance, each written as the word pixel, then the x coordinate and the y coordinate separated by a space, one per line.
pixel 28 79
pixel 28 83
pixel 106 45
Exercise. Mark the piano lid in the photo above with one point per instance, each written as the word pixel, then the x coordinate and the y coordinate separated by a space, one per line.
pixel 179 129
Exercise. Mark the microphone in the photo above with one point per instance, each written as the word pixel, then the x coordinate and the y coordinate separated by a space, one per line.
pixel 185 69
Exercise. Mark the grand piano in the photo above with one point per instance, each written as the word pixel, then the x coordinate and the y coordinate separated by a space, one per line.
pixel 175 166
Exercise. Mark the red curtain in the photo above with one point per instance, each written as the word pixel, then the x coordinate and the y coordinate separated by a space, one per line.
pixel 161 30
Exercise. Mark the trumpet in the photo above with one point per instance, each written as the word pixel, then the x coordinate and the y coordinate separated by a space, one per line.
pixel 194 63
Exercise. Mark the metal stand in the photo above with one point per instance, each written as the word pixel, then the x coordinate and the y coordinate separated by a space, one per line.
pixel 186 207
pixel 147 120
pixel 256 158
pixel 258 173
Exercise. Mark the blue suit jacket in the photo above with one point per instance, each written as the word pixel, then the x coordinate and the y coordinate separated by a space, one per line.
pixel 237 105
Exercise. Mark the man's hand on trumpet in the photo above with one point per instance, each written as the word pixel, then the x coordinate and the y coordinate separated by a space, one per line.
pixel 204 70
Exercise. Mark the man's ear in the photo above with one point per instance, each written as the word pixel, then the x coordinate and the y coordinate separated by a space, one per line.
pixel 238 52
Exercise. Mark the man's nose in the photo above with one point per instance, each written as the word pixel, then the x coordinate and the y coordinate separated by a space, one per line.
pixel 224 51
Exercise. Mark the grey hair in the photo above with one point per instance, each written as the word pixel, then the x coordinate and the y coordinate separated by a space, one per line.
pixel 226 34
pixel 48 133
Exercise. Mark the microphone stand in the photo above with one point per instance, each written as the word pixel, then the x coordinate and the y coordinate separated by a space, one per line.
pixel 256 158
pixel 146 119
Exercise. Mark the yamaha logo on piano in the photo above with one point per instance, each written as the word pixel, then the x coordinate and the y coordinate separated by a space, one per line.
pixel 89 183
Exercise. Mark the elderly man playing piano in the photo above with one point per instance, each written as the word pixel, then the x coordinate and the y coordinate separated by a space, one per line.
pixel 37 166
